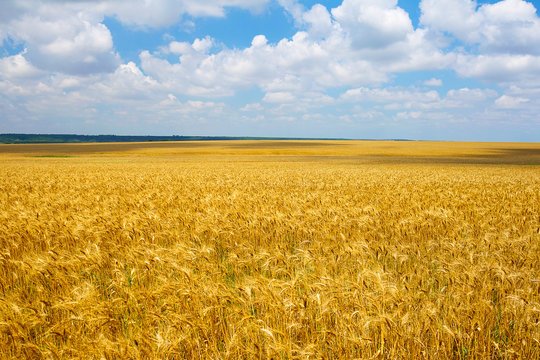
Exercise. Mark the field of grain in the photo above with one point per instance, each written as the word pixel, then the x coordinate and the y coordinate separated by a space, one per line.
pixel 259 250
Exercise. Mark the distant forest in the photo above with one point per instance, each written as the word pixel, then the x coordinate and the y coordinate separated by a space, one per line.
pixel 66 138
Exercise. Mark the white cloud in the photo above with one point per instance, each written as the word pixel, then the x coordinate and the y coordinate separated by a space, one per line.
pixel 504 37
pixel 381 33
pixel 170 101
pixel 203 45
pixel 127 83
pixel 453 16
pixel 58 40
pixel 327 54
pixel 252 107
pixel 510 102
pixel 259 41
pixel 503 68
pixel 466 97
pixel 159 13
pixel 69 83
pixel 179 48
pixel 409 115
pixel 294 8
pixel 68 37
pixel 385 95
pixel 433 82
pixel 373 23
pixel 279 97
pixel 394 98
pixel 319 21
pixel 17 67
pixel 508 26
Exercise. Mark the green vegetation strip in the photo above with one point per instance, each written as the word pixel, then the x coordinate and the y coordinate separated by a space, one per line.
pixel 52 156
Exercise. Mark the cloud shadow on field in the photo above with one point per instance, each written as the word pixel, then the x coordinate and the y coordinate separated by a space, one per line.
pixel 282 145
pixel 529 152
pixel 518 156
pixel 94 148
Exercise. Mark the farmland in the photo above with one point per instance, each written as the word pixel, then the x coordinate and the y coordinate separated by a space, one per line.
pixel 270 249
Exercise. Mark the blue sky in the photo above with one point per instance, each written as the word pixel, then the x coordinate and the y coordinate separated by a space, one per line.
pixel 429 69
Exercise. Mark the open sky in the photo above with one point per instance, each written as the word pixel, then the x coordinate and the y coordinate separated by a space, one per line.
pixel 379 69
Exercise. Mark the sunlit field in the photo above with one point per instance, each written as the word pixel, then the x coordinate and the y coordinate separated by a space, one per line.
pixel 270 249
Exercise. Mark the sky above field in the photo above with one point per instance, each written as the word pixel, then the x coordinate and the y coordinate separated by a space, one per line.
pixel 379 69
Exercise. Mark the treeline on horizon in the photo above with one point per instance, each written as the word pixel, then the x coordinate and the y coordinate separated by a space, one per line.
pixel 71 138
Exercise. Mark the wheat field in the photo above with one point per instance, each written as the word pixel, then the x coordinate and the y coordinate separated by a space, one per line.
pixel 270 250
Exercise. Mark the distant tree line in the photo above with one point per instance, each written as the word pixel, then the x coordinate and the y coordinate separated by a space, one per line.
pixel 71 138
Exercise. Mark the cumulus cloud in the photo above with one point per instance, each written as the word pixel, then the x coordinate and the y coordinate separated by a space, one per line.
pixel 76 48
pixel 68 36
pixel 57 39
pixel 433 82
pixel 252 107
pixel 319 21
pixel 357 43
pixel 397 98
pixel 179 48
pixel 385 95
pixel 157 13
pixel 454 16
pixel 330 50
pixel 127 83
pixel 373 23
pixel 294 8
pixel 508 26
pixel 299 63
pixel 466 97
pixel 506 35
pixel 500 68
pixel 510 102
pixel 17 67
pixel 279 97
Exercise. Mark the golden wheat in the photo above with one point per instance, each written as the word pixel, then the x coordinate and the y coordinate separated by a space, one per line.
pixel 174 253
